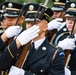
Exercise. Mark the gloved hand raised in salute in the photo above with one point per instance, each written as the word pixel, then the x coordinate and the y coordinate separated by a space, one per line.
pixel 55 24
pixel 28 35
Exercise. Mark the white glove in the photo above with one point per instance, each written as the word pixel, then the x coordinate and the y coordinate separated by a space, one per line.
pixel 67 71
pixel 16 71
pixel 67 43
pixel 55 24
pixel 28 35
pixel 12 31
pixel 75 36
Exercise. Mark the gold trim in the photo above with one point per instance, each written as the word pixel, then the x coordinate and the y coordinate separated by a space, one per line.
pixel 6 72
pixel 39 12
pixel 59 3
pixel 10 52
pixel 71 9
pixel 54 55
pixel 12 9
pixel 32 12
pixel 46 15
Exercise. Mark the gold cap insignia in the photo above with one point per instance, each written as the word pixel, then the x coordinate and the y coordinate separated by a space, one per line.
pixel 31 7
pixel 10 5
pixel 57 0
pixel 72 5
pixel 3 7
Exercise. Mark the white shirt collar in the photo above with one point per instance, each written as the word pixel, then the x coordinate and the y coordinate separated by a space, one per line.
pixel 39 42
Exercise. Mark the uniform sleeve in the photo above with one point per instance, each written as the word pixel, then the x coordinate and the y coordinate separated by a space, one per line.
pixel 2 45
pixel 29 73
pixel 8 56
pixel 57 66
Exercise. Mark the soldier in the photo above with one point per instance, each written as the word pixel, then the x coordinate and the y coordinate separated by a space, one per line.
pixel 46 60
pixel 11 12
pixel 59 9
pixel 59 21
pixel 1 13
pixel 70 43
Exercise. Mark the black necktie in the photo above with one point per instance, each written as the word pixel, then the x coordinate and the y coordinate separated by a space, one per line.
pixel 31 52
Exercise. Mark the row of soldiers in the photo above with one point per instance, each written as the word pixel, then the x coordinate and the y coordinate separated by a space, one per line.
pixel 45 56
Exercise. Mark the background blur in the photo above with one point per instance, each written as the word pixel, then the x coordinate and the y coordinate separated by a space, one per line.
pixel 50 3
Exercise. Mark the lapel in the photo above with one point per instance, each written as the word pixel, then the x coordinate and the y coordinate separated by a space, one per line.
pixel 41 51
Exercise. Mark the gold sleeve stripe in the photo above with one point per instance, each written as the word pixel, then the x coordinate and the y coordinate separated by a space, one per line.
pixel 10 52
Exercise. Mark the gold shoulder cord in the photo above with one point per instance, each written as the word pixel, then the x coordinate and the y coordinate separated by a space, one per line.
pixel 10 52
pixel 54 55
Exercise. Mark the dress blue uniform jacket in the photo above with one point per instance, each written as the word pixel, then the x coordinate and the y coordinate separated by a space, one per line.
pixel 60 35
pixel 72 62
pixel 46 60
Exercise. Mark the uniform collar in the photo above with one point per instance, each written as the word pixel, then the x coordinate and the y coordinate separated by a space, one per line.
pixel 38 43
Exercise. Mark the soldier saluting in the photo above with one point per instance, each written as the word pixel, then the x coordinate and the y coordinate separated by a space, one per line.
pixel 46 59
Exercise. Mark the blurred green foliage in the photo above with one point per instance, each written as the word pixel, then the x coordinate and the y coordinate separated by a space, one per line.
pixel 50 3
pixel 26 1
